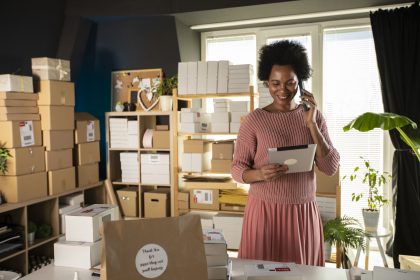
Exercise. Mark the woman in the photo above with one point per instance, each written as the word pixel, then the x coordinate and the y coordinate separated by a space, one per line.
pixel 281 220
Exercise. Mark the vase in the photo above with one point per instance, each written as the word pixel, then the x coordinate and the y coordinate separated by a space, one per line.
pixel 119 107
pixel 165 103
pixel 31 237
pixel 371 219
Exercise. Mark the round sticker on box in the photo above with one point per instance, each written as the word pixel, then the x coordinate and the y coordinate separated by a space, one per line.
pixel 151 261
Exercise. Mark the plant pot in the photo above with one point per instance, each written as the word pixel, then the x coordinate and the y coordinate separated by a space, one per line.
pixel 165 103
pixel 119 107
pixel 371 219
pixel 31 237
pixel 327 251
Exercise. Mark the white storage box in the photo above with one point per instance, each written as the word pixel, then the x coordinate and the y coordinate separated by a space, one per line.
pixel 237 116
pixel 222 76
pixel 212 76
pixel 220 127
pixel 234 127
pixel 73 199
pixel 190 127
pixel 202 77
pixel 190 117
pixel 239 106
pixel 192 77
pixel 155 179
pixel 46 68
pixel 84 225
pixel 182 78
pixel 63 211
pixel 231 226
pixel 16 83
pixel 220 117
pixel 196 162
pixel 154 158
pixel 77 254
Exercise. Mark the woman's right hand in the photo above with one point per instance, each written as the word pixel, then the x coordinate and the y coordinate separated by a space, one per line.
pixel 271 172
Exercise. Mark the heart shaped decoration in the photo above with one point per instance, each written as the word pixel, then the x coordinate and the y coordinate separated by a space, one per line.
pixel 145 103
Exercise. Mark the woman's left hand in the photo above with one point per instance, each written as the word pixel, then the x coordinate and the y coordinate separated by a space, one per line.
pixel 310 115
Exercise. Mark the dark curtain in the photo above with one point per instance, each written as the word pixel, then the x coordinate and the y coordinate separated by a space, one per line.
pixel 396 35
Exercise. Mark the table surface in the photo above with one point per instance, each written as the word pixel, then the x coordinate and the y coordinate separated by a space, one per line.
pixel 52 272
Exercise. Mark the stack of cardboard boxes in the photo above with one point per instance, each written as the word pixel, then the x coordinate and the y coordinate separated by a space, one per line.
pixel 193 120
pixel 130 167
pixel 264 98
pixel 221 117
pixel 155 169
pixel 196 156
pixel 222 156
pixel 238 111
pixel 240 78
pixel 56 106
pixel 216 254
pixel 20 126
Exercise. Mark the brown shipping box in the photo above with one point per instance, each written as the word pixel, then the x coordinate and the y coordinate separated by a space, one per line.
pixel 129 201
pixel 26 161
pixel 19 110
pixel 61 180
pixel 223 150
pixel 184 200
pixel 57 117
pixel 221 165
pixel 87 174
pixel 57 139
pixel 55 93
pixel 86 153
pixel 17 103
pixel 23 188
pixel 59 159
pixel 204 199
pixel 156 203
pixel 14 134
pixel 196 146
pixel 161 139
pixel 86 128
pixel 18 96
pixel 46 68
pixel 19 117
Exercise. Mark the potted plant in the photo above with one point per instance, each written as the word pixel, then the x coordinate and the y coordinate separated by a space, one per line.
pixel 4 154
pixel 374 180
pixel 119 106
pixel 344 232
pixel 164 92
pixel 32 228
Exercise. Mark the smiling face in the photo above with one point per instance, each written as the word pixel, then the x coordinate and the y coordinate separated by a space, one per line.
pixel 283 84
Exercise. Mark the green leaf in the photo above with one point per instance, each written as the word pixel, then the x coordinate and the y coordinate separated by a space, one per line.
pixel 385 121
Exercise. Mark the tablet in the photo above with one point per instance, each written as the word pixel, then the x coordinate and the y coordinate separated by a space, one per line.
pixel 298 158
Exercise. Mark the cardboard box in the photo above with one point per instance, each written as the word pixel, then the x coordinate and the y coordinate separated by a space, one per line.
pixel 19 117
pixel 221 165
pixel 87 153
pixel 61 180
pixel 222 76
pixel 196 146
pixel 190 117
pixel 184 200
pixel 58 139
pixel 194 162
pixel 182 78
pixel 18 110
pixel 16 83
pixel 190 127
pixel 55 93
pixel 220 127
pixel 63 211
pixel 204 199
pixel 87 174
pixel 84 225
pixel 17 103
pixel 24 187
pixel 232 207
pixel 45 68
pixel 73 199
pixel 59 159
pixel 57 117
pixel 83 255
pixel 20 134
pixel 129 201
pixel 223 150
pixel 86 128
pixel 18 96
pixel 220 117
pixel 201 77
pixel 156 203
pixel 161 139
pixel 26 161
pixel 212 67
pixel 192 77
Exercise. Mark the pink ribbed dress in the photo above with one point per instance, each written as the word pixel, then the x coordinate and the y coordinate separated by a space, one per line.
pixel 281 219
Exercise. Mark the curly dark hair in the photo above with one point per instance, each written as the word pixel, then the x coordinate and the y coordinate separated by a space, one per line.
pixel 284 53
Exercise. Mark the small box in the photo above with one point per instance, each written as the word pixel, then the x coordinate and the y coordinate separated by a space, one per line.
pixel 223 150
pixel 155 179
pixel 18 96
pixel 162 127
pixel 184 200
pixel 57 117
pixel 86 128
pixel 58 159
pixel 232 207
pixel 182 78
pixel 84 255
pixel 221 165
pixel 190 117
pixel 196 162
pixel 196 146
pixel 58 139
pixel 17 103
pixel 222 76
pixel 220 117
pixel 159 158
pixel 84 225
pixel 161 139
pixel 55 93
pixel 156 203
pixel 192 77
pixel 234 127
pixel 18 110
pixel 190 127
pixel 45 68
pixel 231 225
pixel 61 180
pixel 202 77
pixel 212 67
pixel 73 199
pixel 16 83
pixel 239 106
pixel 129 201
pixel 220 127
pixel 26 161
pixel 63 211
pixel 24 187
pixel 87 174
pixel 19 117
pixel 204 199
pixel 86 153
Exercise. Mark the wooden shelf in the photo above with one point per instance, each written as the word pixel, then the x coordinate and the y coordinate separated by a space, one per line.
pixel 205 133
pixel 16 253
pixel 154 150
pixel 137 113
pixel 123 149
pixel 211 185
pixel 40 242
pixel 119 182
pixel 214 95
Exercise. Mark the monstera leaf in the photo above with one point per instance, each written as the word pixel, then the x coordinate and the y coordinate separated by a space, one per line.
pixel 388 121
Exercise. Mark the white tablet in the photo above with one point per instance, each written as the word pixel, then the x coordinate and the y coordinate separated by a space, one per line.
pixel 298 158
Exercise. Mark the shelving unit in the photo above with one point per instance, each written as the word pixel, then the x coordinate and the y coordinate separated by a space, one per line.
pixel 145 120
pixel 248 96
pixel 41 210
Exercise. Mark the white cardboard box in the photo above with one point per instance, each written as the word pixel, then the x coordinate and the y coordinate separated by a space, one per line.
pixel 239 106
pixel 234 127
pixel 192 77
pixel 155 179
pixel 212 76
pixel 220 127
pixel 77 254
pixel 196 162
pixel 220 117
pixel 231 226
pixel 190 127
pixel 16 83
pixel 190 117
pixel 84 225
pixel 202 77
pixel 237 116
pixel 73 199
pixel 222 76
pixel 182 78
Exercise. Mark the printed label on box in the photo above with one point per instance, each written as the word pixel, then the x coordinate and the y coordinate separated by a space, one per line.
pixel 90 136
pixel 27 133
pixel 151 261
pixel 203 196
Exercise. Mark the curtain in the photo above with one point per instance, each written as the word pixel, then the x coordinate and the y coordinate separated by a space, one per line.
pixel 396 35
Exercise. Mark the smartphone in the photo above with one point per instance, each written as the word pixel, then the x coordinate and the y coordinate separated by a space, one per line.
pixel 301 93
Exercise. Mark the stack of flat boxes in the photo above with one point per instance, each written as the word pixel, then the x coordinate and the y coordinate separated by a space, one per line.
pixel 123 133
pixel 20 133
pixel 86 139
pixel 265 98
pixel 193 121
pixel 132 134
pixel 240 78
pixel 223 76
pixel 238 111
pixel 183 202
pixel 196 156
pixel 216 254
pixel 130 167
pixel 222 156
pixel 221 117
pixel 155 169
pixel 56 106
